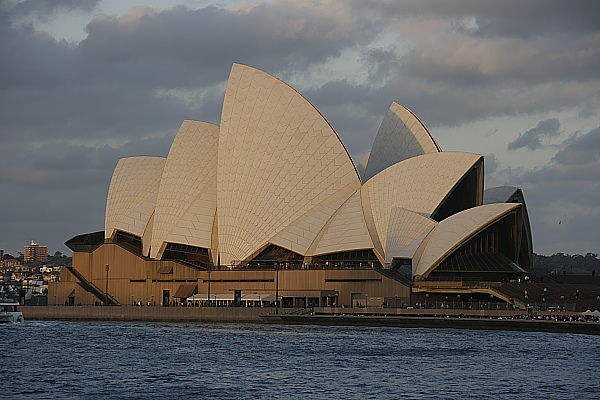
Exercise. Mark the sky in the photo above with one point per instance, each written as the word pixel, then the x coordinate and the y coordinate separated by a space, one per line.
pixel 86 82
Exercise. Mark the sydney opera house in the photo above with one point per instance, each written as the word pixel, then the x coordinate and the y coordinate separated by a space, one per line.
pixel 269 203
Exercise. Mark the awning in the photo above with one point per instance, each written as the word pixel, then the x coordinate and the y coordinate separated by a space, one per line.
pixel 231 297
pixel 591 313
pixel 186 290
pixel 213 297
pixel 258 297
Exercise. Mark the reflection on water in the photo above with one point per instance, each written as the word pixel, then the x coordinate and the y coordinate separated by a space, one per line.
pixel 83 360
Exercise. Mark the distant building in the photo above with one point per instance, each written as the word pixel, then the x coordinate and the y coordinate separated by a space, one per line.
pixel 1 254
pixel 35 253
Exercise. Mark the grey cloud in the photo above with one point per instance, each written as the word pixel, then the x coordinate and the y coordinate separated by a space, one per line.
pixel 583 150
pixel 115 73
pixel 182 47
pixel 106 88
pixel 531 138
pixel 551 197
pixel 491 163
pixel 511 18
pixel 540 44
pixel 567 186
pixel 534 62
pixel 382 63
pixel 52 215
pixel 44 9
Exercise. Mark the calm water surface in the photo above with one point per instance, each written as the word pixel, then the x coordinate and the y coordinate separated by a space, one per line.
pixel 84 360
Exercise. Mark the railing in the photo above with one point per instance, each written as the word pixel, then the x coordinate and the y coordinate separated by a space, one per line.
pixel 466 305
pixel 92 288
pixel 270 265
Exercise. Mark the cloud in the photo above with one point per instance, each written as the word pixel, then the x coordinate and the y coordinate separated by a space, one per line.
pixel 45 9
pixel 509 18
pixel 491 163
pixel 582 150
pixel 567 188
pixel 70 110
pixel 531 138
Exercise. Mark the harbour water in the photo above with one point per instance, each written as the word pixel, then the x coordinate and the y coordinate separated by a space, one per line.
pixel 120 360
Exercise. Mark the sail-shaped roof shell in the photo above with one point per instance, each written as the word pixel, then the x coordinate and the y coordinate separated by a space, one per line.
pixel 132 194
pixel 186 203
pixel 406 231
pixel 401 136
pixel 455 230
pixel 418 184
pixel 278 159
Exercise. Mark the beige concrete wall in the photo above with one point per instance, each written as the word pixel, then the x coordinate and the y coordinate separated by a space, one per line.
pixel 130 275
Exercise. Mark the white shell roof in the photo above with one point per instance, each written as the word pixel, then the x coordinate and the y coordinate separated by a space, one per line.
pixel 346 230
pixel 302 234
pixel 186 203
pixel 418 184
pixel 278 159
pixel 455 230
pixel 360 168
pixel 401 136
pixel 132 194
pixel 499 194
pixel 276 172
pixel 406 231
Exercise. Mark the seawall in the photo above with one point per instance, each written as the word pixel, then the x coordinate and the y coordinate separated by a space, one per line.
pixel 130 313
pixel 590 328
pixel 402 318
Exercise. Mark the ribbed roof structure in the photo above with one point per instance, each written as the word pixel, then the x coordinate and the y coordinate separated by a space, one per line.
pixel 401 136
pixel 275 177
pixel 455 230
pixel 132 194
pixel 278 159
pixel 186 204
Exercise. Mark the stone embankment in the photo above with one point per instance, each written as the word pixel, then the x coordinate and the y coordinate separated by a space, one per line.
pixel 404 318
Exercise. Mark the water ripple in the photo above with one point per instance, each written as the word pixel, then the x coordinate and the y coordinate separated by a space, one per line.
pixel 84 360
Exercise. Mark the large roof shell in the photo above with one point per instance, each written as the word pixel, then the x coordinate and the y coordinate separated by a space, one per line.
pixel 401 136
pixel 345 231
pixel 278 159
pixel 406 231
pixel 511 194
pixel 186 203
pixel 302 235
pixel 360 168
pixel 418 184
pixel 132 194
pixel 455 230
pixel 499 194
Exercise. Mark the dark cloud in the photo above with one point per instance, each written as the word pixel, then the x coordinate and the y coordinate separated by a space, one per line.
pixel 45 9
pixel 491 163
pixel 532 138
pixel 70 110
pixel 581 150
pixel 382 63
pixel 565 189
pixel 182 48
pixel 509 18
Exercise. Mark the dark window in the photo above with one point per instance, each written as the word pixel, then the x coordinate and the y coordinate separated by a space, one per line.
pixel 192 255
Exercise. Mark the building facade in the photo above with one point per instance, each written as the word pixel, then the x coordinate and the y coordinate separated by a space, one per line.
pixel 35 253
